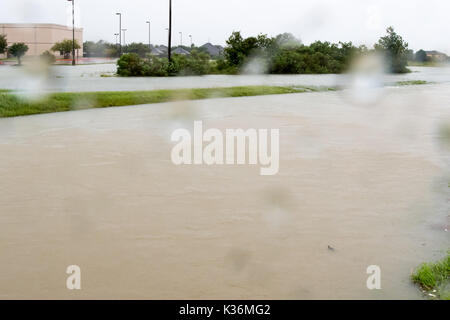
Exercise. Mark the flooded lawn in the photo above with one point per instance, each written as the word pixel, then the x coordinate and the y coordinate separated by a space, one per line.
pixel 97 189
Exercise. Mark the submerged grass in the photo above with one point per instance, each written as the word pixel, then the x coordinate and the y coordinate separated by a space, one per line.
pixel 411 82
pixel 434 278
pixel 12 105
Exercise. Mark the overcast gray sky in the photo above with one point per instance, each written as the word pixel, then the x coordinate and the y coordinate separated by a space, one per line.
pixel 424 24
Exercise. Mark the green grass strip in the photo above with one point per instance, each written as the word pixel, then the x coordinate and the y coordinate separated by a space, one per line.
pixel 411 83
pixel 13 104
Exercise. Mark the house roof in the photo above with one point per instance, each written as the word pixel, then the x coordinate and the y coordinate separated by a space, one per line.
pixel 435 53
pixel 213 50
pixel 181 51
pixel 156 51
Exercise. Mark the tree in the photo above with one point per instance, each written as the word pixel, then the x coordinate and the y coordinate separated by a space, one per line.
pixel 3 44
pixel 18 50
pixel 410 55
pixel 239 49
pixel 421 56
pixel 139 48
pixel 395 50
pixel 65 47
pixel 287 40
pixel 100 49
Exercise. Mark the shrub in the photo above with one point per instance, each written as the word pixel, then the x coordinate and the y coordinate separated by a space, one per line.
pixel 155 67
pixel 130 65
pixel 197 63
pixel 48 57
pixel 319 57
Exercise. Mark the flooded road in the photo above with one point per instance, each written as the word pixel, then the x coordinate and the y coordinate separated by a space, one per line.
pixel 100 78
pixel 97 189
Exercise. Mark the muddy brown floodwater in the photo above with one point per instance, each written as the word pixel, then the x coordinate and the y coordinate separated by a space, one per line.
pixel 97 189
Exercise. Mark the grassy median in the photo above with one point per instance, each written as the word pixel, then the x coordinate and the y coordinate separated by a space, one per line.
pixel 12 104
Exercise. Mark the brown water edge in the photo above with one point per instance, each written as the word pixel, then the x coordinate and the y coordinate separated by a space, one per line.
pixel 96 188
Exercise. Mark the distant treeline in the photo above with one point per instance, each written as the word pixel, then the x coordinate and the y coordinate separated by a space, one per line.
pixel 105 49
pixel 283 54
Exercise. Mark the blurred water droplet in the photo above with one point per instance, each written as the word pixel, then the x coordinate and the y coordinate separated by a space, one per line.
pixel 256 65
pixel 238 258
pixel 278 208
pixel 364 82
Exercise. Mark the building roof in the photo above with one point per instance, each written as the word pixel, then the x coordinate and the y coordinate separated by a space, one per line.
pixel 181 51
pixel 435 53
pixel 37 25
pixel 157 51
pixel 213 50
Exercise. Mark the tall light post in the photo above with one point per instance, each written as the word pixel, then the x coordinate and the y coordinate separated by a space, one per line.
pixel 190 36
pixel 149 40
pixel 181 38
pixel 169 49
pixel 117 41
pixel 73 31
pixel 124 39
pixel 120 32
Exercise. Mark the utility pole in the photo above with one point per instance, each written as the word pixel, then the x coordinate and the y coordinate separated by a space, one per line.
pixel 149 40
pixel 120 32
pixel 169 49
pixel 73 31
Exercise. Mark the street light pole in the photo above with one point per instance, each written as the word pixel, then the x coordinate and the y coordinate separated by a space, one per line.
pixel 181 38
pixel 120 32
pixel 149 39
pixel 190 36
pixel 117 42
pixel 169 51
pixel 73 31
pixel 124 39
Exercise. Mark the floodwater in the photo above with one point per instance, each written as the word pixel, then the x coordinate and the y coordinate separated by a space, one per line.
pixel 99 77
pixel 96 188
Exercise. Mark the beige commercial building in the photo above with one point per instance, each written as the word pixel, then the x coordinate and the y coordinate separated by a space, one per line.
pixel 40 37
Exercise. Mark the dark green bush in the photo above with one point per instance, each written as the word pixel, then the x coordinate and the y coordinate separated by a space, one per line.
pixel 319 57
pixel 283 54
pixel 197 63
pixel 155 67
pixel 130 65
